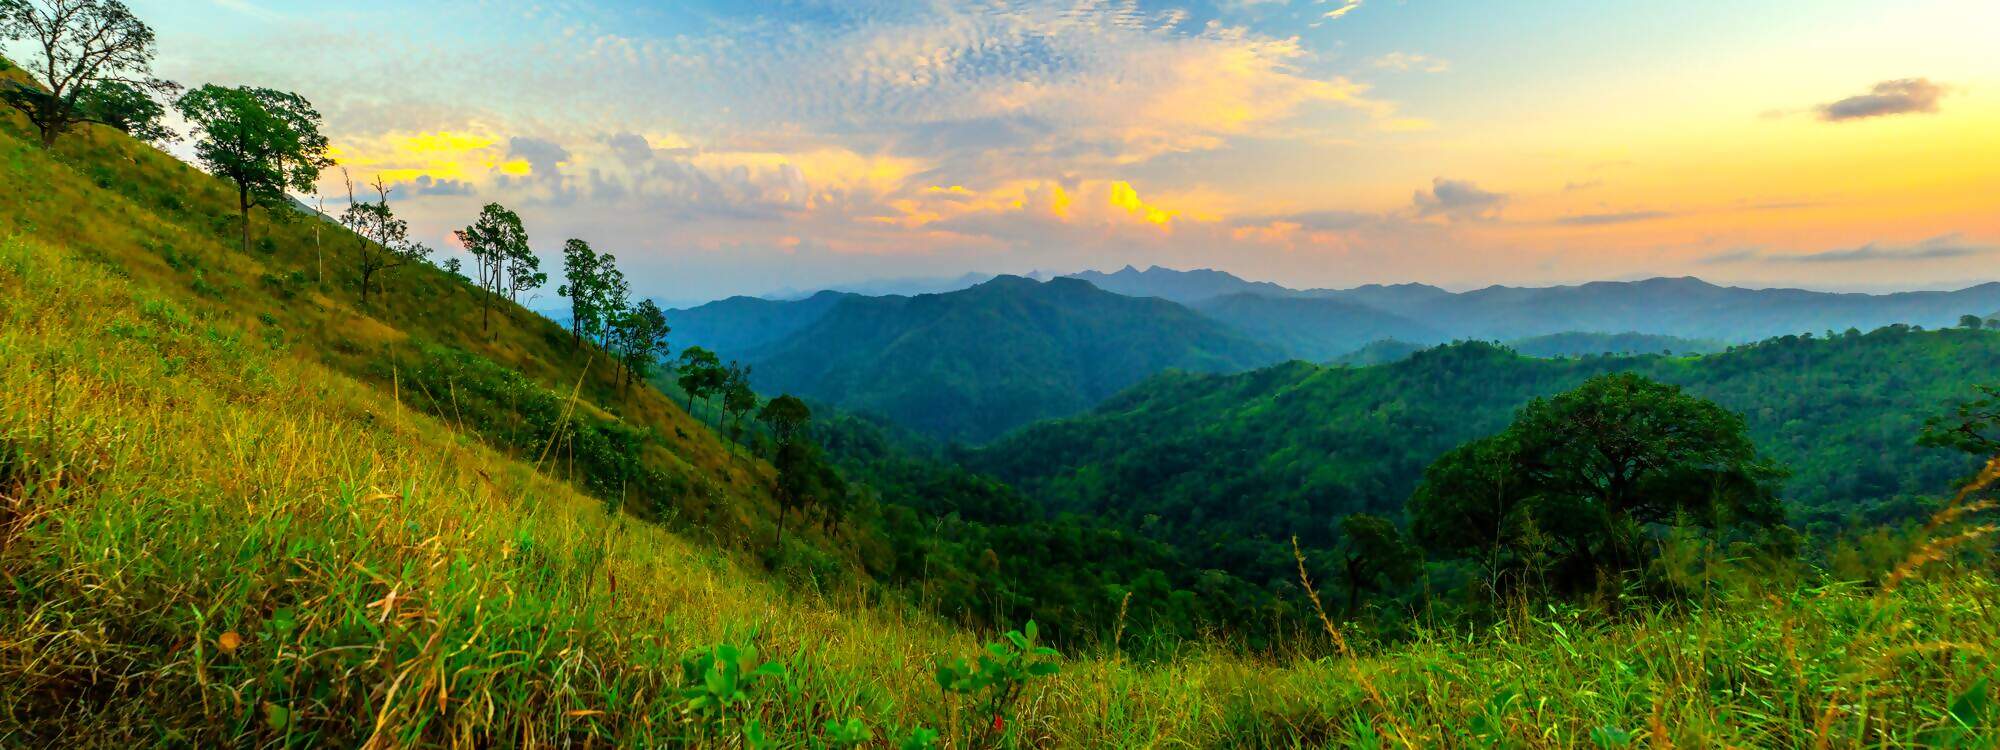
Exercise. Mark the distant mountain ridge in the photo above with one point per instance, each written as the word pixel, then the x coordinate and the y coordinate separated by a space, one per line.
pixel 972 364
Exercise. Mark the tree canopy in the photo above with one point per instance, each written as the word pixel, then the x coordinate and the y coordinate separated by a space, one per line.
pixel 1571 486
pixel 499 244
pixel 265 141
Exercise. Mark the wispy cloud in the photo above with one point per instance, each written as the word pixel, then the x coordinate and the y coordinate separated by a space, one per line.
pixel 1403 62
pixel 1619 217
pixel 1905 96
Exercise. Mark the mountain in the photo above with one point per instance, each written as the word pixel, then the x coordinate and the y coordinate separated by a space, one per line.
pixel 972 364
pixel 1683 307
pixel 898 287
pixel 1180 286
pixel 1231 466
pixel 1313 329
pixel 738 326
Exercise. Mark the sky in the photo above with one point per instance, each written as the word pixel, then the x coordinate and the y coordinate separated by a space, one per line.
pixel 723 147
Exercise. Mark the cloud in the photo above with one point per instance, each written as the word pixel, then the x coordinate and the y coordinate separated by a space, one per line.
pixel 1621 217
pixel 630 148
pixel 542 157
pixel 1576 185
pixel 425 185
pixel 1345 7
pixel 1905 96
pixel 1940 247
pixel 1404 62
pixel 1458 200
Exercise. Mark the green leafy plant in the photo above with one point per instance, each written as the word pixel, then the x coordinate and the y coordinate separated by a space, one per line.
pixel 1000 675
pixel 719 685
pixel 851 733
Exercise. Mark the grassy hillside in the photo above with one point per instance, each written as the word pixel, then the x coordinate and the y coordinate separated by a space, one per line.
pixel 970 365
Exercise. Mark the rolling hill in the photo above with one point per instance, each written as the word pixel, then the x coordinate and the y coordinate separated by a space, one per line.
pixel 1230 466
pixel 1314 329
pixel 1185 287
pixel 972 364
pixel 738 327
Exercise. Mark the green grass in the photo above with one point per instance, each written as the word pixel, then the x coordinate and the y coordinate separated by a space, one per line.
pixel 220 526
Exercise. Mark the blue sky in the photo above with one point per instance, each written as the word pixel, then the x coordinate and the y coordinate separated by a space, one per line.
pixel 722 147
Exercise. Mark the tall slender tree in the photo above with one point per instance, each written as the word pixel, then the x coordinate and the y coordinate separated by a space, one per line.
pixel 737 399
pixel 582 277
pixel 92 60
pixel 264 141
pixel 493 239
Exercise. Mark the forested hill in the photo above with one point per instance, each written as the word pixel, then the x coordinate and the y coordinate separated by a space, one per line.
pixel 973 364
pixel 738 327
pixel 1233 465
pixel 1317 330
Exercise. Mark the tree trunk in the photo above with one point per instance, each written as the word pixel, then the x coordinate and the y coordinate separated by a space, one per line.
pixel 243 214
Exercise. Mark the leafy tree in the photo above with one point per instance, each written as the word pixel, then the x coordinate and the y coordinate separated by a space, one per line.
pixel 494 240
pixel 787 417
pixel 383 241
pixel 597 293
pixel 640 339
pixel 701 374
pixel 613 296
pixel 1973 322
pixel 1576 479
pixel 92 59
pixel 265 141
pixel 737 398
pixel 128 108
pixel 1374 556
pixel 1972 427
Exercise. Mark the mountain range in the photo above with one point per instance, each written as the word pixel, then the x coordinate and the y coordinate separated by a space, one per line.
pixel 973 363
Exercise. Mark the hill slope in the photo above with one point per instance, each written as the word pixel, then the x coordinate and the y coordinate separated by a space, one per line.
pixel 1317 330
pixel 973 364
pixel 1235 465
pixel 738 327
pixel 1185 287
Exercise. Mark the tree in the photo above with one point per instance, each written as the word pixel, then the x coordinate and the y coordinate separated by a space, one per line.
pixel 699 370
pixel 640 339
pixel 88 56
pixel 1972 427
pixel 787 417
pixel 797 460
pixel 494 239
pixel 264 141
pixel 127 108
pixel 582 274
pixel 1973 322
pixel 1578 479
pixel 1373 556
pixel 737 398
pixel 383 241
